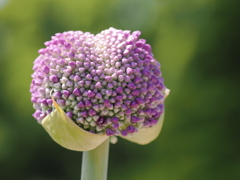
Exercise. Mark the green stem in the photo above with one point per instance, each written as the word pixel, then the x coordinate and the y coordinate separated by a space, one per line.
pixel 95 163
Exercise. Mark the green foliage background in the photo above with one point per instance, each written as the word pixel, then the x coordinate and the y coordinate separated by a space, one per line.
pixel 197 44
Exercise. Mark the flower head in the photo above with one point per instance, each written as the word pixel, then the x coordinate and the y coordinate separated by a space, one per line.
pixel 108 84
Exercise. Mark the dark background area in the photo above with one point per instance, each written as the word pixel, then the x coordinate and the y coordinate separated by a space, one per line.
pixel 197 44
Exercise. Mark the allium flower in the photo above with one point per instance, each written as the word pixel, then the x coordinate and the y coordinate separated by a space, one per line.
pixel 103 85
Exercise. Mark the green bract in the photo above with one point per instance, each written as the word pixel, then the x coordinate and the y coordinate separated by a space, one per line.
pixel 69 135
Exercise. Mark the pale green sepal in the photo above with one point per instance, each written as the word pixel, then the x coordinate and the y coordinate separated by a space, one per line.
pixel 147 135
pixel 69 135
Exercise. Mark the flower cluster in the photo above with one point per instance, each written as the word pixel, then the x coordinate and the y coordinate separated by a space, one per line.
pixel 107 84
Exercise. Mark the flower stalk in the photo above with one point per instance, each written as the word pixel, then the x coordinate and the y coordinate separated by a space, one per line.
pixel 95 162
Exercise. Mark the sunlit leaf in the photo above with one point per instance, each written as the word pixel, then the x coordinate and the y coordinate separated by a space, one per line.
pixel 69 135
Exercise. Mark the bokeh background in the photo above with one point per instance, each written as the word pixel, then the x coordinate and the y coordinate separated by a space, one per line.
pixel 197 44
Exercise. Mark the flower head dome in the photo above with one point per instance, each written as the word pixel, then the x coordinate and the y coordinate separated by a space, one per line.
pixel 107 84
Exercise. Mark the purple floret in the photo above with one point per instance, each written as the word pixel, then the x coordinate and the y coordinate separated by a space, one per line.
pixel 131 129
pixel 111 78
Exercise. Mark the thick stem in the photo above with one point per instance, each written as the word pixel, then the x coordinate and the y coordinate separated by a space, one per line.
pixel 95 163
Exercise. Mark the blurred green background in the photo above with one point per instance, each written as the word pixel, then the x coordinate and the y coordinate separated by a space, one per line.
pixel 197 44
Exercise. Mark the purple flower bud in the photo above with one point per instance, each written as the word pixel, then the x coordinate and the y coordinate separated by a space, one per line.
pixel 157 115
pixel 137 80
pixel 129 71
pixel 117 105
pixel 119 98
pixel 127 103
pixel 133 104
pixel 81 104
pixel 65 93
pixel 115 126
pixel 124 132
pixel 110 86
pixel 131 129
pixel 69 114
pixel 98 85
pixel 128 79
pixel 139 101
pixel 108 92
pixel 123 106
pixel 147 47
pixel 119 90
pixel 108 78
pixel 61 102
pixel 96 107
pixel 90 94
pixel 44 102
pixel 49 101
pixel 86 65
pixel 146 124
pixel 106 103
pixel 53 78
pixel 37 82
pixel 110 132
pixel 140 42
pixel 42 51
pixel 152 121
pixel 88 83
pixel 72 64
pixel 128 111
pixel 148 111
pixel 143 90
pixel 114 93
pixel 88 103
pixel 46 69
pixel 115 120
pixel 101 121
pixel 108 81
pixel 135 92
pixel 33 99
pixel 145 72
pixel 67 46
pixel 91 112
pixel 98 96
pixel 76 92
pixel 49 111
pixel 135 119
pixel 83 113
pixel 131 86
pixel 121 78
pixel 69 83
pixel 89 77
